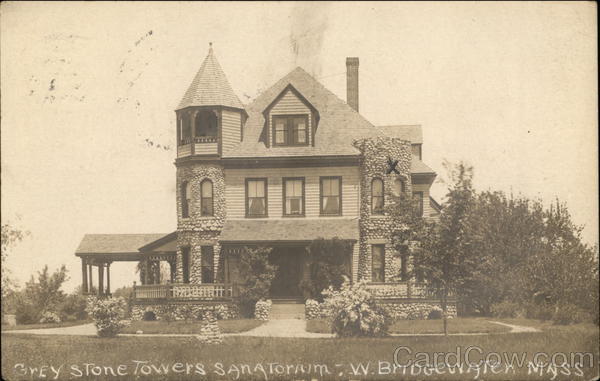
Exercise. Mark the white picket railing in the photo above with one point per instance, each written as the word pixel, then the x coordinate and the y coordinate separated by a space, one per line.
pixel 183 291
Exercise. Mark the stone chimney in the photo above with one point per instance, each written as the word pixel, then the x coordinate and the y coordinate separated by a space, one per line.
pixel 352 82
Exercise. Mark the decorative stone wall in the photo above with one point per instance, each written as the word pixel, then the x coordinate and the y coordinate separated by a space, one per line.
pixel 197 231
pixel 376 154
pixel 222 311
pixel 400 310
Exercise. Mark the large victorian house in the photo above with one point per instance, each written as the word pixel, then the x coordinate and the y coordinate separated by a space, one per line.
pixel 296 164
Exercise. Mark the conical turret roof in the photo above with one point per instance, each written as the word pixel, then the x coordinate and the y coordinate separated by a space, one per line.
pixel 210 87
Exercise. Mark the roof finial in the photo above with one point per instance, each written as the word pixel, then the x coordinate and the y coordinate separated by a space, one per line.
pixel 210 47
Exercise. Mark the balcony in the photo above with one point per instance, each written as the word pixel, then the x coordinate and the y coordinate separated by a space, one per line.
pixel 202 145
pixel 184 292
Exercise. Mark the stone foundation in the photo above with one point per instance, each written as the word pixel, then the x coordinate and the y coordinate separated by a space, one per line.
pixel 400 310
pixel 221 311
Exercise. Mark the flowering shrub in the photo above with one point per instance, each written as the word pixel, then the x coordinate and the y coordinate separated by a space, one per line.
pixel 107 314
pixel 50 317
pixel 262 309
pixel 354 311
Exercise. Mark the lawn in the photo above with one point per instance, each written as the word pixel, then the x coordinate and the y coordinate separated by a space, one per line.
pixel 458 325
pixel 44 325
pixel 247 358
pixel 191 326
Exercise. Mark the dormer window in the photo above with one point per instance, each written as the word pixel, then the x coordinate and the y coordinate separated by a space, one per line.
pixel 290 130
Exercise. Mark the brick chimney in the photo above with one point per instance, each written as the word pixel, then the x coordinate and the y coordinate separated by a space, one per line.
pixel 352 82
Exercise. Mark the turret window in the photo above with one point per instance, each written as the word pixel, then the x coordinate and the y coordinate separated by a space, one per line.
pixel 186 193
pixel 206 200
pixel 377 199
pixel 290 130
pixel 185 131
pixel 206 126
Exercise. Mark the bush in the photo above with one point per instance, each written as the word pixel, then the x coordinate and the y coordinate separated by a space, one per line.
pixel 50 317
pixel 354 311
pixel 569 314
pixel 541 311
pixel 107 314
pixel 435 313
pixel 73 308
pixel 506 309
pixel 257 274
pixel 26 313
pixel 328 260
pixel 312 310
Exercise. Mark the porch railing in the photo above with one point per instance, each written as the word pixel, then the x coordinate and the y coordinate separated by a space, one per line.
pixel 208 291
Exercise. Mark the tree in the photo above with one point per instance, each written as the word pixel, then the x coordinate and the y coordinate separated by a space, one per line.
pixel 328 261
pixel 41 295
pixel 257 274
pixel 447 254
pixel 10 236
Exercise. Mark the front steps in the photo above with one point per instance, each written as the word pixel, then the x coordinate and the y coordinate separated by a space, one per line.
pixel 287 309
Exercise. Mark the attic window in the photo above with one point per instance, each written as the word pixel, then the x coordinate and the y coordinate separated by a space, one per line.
pixel 290 130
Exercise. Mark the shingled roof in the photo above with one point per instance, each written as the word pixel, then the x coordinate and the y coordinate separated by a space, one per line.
pixel 288 230
pixel 115 243
pixel 210 87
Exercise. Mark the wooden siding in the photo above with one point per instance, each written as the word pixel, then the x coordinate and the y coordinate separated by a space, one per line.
pixel 427 209
pixel 290 104
pixel 184 150
pixel 206 148
pixel 235 189
pixel 231 129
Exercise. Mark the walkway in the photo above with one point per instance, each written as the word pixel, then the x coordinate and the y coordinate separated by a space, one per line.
pixel 294 328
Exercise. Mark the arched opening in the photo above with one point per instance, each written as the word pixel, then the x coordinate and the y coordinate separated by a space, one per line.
pixel 399 187
pixel 206 201
pixel 206 125
pixel 377 200
pixel 149 316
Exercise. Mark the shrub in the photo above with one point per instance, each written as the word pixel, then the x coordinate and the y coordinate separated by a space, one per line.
pixel 569 313
pixel 257 274
pixel 541 311
pixel 312 310
pixel 50 317
pixel 262 309
pixel 506 309
pixel 328 260
pixel 435 313
pixel 354 311
pixel 107 314
pixel 73 308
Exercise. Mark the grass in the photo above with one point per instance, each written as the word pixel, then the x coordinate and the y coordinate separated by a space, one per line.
pixel 245 358
pixel 44 325
pixel 458 325
pixel 191 326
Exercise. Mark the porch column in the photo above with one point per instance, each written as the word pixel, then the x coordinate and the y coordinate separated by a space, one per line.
pixel 193 131
pixel 84 276
pixel 100 278
pixel 91 289
pixel 108 278
pixel 157 273
pixel 146 271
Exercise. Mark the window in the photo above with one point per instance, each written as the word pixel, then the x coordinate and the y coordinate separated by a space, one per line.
pixel 378 263
pixel 377 196
pixel 290 130
pixel 293 196
pixel 185 264
pixel 186 130
pixel 399 187
pixel 186 192
pixel 331 192
pixel 418 199
pixel 256 197
pixel 207 263
pixel 206 198
pixel 206 124
pixel 416 150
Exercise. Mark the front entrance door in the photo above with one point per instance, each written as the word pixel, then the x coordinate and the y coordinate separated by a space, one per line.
pixel 290 263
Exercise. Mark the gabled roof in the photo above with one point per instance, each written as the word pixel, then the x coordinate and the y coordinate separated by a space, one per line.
pixel 115 243
pixel 412 133
pixel 339 124
pixel 288 230
pixel 210 87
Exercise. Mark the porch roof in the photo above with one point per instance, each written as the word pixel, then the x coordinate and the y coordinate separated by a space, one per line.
pixel 115 247
pixel 291 230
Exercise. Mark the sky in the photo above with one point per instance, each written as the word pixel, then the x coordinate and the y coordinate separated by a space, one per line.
pixel 89 92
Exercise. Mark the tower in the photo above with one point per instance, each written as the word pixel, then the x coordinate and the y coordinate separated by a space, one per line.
pixel 209 121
